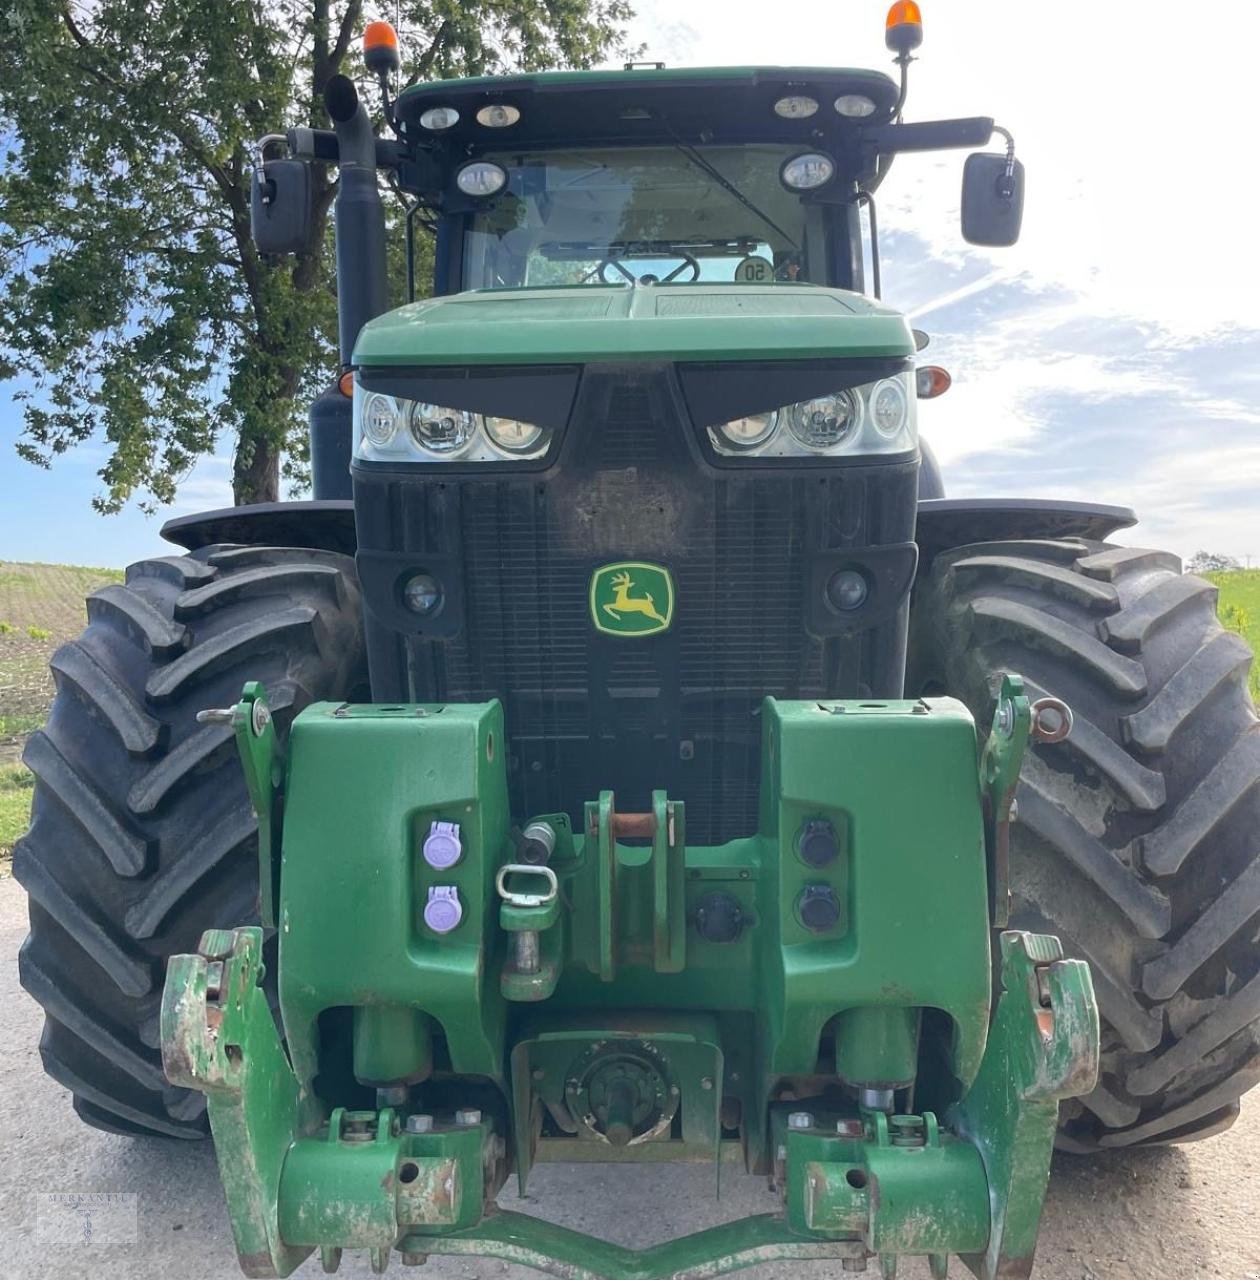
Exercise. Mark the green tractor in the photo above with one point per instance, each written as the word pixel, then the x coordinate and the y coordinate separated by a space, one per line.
pixel 631 754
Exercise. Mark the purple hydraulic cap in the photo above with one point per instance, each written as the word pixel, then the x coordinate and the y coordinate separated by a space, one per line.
pixel 442 847
pixel 443 911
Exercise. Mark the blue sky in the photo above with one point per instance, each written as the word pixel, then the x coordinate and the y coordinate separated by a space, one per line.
pixel 1113 354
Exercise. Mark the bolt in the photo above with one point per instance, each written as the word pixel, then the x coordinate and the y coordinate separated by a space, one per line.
pixel 394 1095
pixel 850 1129
pixel 1005 718
pixel 419 1124
pixel 465 1118
pixel 800 1120
pixel 412 1258
pixel 259 717
pixel 706 1083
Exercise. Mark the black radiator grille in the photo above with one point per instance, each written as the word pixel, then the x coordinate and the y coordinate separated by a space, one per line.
pixel 585 711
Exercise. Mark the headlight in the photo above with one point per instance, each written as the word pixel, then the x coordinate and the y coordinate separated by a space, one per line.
pixel 512 436
pixel 442 430
pixel 807 172
pixel 875 418
pixel 393 429
pixel 381 420
pixel 747 433
pixel 890 406
pixel 825 421
pixel 481 178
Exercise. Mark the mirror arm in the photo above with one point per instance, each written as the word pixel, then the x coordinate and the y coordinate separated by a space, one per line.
pixel 1008 188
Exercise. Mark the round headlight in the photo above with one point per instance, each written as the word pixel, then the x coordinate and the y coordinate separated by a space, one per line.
pixel 856 106
pixel 847 590
pixel 498 115
pixel 825 421
pixel 381 420
pixel 889 407
pixel 513 436
pixel 441 430
pixel 750 431
pixel 808 172
pixel 422 594
pixel 439 118
pixel 481 178
pixel 797 107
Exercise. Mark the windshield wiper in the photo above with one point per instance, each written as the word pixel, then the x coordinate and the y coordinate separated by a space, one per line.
pixel 707 167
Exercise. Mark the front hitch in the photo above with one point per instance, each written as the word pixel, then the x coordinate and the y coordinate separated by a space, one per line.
pixel 882 1186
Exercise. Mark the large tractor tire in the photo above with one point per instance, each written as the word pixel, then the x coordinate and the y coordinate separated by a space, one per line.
pixel 141 831
pixel 1138 839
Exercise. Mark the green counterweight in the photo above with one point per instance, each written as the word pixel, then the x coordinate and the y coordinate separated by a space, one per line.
pixel 463 998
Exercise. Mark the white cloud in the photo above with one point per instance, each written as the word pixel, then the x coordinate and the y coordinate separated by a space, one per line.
pixel 1092 360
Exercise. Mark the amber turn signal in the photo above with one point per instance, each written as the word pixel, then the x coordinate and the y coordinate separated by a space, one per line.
pixel 930 381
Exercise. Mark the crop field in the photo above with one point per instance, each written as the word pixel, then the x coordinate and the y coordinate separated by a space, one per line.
pixel 41 606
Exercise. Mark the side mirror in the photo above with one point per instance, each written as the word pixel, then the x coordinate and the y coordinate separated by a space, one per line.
pixel 280 211
pixel 992 199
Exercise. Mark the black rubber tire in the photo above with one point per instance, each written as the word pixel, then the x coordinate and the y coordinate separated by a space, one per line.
pixel 1138 839
pixel 141 832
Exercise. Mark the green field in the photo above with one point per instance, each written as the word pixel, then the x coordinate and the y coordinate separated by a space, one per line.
pixel 1239 608
pixel 41 606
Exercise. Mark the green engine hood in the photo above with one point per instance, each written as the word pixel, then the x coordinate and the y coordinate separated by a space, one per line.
pixel 585 323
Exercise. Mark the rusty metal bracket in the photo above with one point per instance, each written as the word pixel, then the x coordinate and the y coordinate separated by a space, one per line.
pixel 1043 1048
pixel 218 1036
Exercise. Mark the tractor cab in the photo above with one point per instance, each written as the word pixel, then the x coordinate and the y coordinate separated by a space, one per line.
pixel 661 176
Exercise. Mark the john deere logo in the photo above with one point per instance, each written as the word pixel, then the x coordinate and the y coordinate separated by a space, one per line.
pixel 632 599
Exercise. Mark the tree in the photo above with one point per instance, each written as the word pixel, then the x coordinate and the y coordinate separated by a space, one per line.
pixel 134 305
pixel 1211 562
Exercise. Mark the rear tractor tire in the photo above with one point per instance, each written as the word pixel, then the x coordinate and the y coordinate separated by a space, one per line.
pixel 1137 839
pixel 141 831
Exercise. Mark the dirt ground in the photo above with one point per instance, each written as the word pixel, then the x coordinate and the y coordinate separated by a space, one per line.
pixel 1162 1214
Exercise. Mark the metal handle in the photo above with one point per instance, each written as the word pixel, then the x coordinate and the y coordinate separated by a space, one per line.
pixel 527 899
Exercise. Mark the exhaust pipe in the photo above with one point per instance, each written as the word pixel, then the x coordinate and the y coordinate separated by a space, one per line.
pixel 359 217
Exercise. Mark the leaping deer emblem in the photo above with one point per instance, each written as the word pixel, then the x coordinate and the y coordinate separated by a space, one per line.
pixel 624 602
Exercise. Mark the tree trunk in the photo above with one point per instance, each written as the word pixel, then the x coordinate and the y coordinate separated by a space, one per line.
pixel 255 472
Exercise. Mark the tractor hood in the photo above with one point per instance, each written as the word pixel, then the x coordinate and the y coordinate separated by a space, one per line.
pixel 579 324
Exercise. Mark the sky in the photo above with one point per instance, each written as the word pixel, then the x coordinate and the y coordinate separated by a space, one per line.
pixel 1112 355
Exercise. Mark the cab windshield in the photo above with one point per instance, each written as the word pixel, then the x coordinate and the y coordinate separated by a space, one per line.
pixel 647 215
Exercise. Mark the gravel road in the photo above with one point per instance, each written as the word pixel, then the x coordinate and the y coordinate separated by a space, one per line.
pixel 1161 1214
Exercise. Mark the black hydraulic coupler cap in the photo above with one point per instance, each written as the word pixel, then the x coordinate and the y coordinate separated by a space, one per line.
pixel 818 907
pixel 719 917
pixel 817 843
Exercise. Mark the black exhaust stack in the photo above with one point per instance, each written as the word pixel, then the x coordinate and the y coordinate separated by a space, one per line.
pixel 361 291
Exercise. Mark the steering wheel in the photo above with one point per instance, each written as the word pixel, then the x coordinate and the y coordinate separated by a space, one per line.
pixel 648 278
